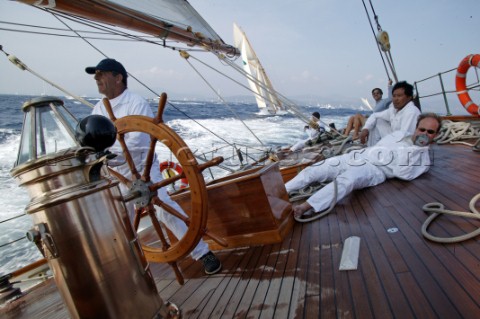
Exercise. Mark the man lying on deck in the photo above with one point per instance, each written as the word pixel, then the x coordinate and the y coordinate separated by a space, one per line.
pixel 397 155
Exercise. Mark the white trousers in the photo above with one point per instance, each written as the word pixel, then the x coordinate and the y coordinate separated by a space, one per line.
pixel 381 129
pixel 348 176
pixel 176 225
pixel 299 145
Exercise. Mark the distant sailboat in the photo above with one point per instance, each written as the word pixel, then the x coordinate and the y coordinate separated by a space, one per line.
pixel 267 100
pixel 366 103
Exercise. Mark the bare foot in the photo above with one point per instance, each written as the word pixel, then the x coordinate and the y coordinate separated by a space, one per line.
pixel 300 209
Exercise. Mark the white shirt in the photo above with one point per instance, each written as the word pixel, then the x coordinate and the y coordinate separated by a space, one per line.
pixel 396 156
pixel 405 119
pixel 128 103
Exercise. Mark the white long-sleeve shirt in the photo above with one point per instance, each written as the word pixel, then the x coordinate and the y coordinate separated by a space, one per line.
pixel 404 119
pixel 125 104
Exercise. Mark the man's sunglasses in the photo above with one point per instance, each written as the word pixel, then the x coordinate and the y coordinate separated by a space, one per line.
pixel 421 129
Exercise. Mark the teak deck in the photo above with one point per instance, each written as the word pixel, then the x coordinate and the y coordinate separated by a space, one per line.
pixel 400 274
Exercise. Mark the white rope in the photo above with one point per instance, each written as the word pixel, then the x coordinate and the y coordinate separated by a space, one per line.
pixel 317 215
pixel 437 209
pixel 22 66
pixel 453 132
pixel 304 192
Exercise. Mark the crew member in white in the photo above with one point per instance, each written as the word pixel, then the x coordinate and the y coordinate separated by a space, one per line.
pixel 398 154
pixel 111 79
pixel 401 115
pixel 313 129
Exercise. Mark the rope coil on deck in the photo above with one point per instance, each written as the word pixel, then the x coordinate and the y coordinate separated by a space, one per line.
pixel 312 215
pixel 438 208
pixel 454 132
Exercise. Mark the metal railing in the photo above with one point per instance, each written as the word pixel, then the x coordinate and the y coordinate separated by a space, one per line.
pixel 445 93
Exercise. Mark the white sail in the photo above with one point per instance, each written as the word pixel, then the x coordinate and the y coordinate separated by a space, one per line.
pixel 174 20
pixel 267 99
pixel 366 103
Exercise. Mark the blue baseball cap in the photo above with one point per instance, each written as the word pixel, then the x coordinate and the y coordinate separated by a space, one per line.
pixel 110 65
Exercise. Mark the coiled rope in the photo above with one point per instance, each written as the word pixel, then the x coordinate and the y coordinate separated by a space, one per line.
pixel 454 132
pixel 438 208
pixel 317 215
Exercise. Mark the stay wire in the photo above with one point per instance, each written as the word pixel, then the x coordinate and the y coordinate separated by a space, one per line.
pixel 290 105
pixel 225 103
pixel 389 53
pixel 22 66
pixel 141 83
pixel 375 37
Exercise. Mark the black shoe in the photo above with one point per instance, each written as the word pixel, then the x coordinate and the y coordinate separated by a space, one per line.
pixel 211 263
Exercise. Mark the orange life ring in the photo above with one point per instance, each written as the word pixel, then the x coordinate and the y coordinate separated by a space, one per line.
pixel 166 170
pixel 461 79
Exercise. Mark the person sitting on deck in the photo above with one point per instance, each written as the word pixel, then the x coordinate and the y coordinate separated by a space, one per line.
pixel 401 115
pixel 313 129
pixel 356 122
pixel 398 154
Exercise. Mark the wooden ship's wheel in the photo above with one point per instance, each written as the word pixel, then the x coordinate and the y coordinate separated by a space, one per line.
pixel 144 192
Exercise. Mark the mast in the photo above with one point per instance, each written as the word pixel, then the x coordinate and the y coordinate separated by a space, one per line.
pixel 124 14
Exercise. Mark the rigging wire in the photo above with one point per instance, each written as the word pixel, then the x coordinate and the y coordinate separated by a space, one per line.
pixel 59 29
pixel 13 241
pixel 107 30
pixel 289 104
pixel 138 80
pixel 22 66
pixel 292 106
pixel 379 28
pixel 12 218
pixel 222 99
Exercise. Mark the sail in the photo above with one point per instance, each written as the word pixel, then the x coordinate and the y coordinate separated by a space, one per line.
pixel 167 19
pixel 366 103
pixel 267 99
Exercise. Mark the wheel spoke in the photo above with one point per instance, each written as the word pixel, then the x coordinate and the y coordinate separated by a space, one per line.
pixel 157 201
pixel 163 136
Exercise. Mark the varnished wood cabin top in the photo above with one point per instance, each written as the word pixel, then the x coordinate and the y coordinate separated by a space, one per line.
pixel 400 274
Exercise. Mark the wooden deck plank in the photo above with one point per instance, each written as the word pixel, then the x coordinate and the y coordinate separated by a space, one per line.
pixel 273 293
pixel 424 263
pixel 302 265
pixel 332 300
pixel 345 302
pixel 247 305
pixel 222 303
pixel 313 266
pixel 220 287
pixel 269 272
pixel 380 247
pixel 447 226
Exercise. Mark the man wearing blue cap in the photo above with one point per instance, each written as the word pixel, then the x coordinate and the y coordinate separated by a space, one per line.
pixel 111 78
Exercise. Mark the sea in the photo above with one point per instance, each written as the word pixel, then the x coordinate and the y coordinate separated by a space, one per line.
pixel 206 127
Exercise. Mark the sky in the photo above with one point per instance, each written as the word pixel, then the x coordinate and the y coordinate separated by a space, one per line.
pixel 322 50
